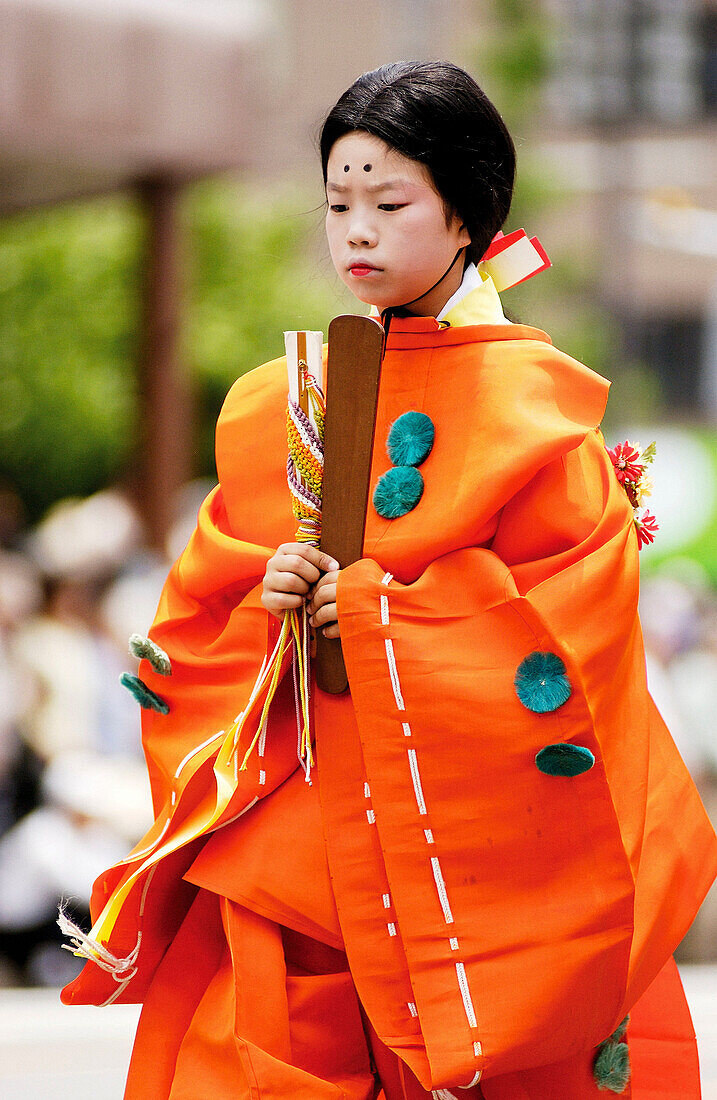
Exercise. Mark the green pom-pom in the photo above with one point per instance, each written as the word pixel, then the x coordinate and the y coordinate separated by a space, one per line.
pixel 541 683
pixel 611 1068
pixel 144 649
pixel 397 491
pixel 410 439
pixel 146 698
pixel 564 759
pixel 619 1032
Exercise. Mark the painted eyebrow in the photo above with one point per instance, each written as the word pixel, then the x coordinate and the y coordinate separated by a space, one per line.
pixel 389 185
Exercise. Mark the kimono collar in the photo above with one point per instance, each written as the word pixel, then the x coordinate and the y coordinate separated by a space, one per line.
pixel 475 303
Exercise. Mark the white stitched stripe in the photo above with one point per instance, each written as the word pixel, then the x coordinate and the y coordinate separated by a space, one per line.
pixel 454 943
pixel 241 812
pixel 387 578
pixel 145 851
pixel 429 836
pixel 413 764
pixel 406 729
pixel 261 746
pixel 475 1080
pixel 262 777
pixel 466 995
pixel 412 1008
pixel 370 814
pixel 391 929
pixel 384 610
pixel 193 752
pixel 366 791
pixel 145 888
pixel 477 1049
pixel 394 674
pixel 441 887
pixel 387 901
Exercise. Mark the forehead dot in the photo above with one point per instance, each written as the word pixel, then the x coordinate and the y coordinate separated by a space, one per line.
pixel 367 167
pixel 346 168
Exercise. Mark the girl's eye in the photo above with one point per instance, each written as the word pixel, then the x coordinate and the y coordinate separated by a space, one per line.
pixel 391 206
pixel 337 208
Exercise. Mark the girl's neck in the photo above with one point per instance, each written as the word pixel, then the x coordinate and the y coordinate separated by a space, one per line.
pixel 431 303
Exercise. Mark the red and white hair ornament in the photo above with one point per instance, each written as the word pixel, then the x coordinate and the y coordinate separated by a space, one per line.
pixel 511 259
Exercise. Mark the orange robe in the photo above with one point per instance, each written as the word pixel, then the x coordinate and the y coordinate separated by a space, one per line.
pixel 499 922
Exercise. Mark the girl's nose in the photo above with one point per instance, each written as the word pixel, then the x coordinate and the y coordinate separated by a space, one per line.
pixel 361 233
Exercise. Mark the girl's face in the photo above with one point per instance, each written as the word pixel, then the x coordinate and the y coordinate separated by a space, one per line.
pixel 386 226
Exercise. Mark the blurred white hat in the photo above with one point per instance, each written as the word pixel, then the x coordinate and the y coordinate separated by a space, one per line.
pixel 112 790
pixel 86 539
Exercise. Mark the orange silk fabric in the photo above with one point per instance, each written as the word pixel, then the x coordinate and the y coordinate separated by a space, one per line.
pixel 495 919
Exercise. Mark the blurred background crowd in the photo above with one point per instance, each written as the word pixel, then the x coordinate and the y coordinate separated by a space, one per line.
pixel 160 226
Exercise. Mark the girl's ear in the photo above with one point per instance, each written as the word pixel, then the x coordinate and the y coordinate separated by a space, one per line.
pixel 464 237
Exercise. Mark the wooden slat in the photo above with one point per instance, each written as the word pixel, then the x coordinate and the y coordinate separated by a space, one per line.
pixel 353 374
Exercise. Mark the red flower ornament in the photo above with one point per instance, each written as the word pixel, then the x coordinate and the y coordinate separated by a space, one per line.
pixel 630 465
pixel 647 527
pixel 626 462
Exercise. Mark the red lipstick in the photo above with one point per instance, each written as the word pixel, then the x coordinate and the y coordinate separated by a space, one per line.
pixel 361 268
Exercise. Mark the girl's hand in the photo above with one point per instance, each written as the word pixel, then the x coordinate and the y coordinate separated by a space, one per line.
pixel 290 573
pixel 322 605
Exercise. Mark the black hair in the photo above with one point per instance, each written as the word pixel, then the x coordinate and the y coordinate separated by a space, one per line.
pixel 436 114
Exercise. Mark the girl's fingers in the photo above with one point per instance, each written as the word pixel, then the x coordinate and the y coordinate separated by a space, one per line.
pixel 286 582
pixel 302 556
pixel 284 564
pixel 279 602
pixel 325 614
pixel 332 631
pixel 324 592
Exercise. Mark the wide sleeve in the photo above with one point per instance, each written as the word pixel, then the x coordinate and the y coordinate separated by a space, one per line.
pixel 517 768
pixel 212 626
pixel 211 623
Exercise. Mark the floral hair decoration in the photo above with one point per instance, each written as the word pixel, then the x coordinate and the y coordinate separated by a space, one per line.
pixel 630 463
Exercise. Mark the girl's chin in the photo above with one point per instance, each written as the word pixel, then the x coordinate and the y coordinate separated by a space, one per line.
pixel 371 299
pixel 364 295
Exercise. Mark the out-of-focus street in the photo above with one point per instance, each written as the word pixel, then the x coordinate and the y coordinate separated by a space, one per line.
pixel 48 1050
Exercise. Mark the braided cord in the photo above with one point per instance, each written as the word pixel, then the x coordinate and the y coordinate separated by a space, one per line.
pixel 305 465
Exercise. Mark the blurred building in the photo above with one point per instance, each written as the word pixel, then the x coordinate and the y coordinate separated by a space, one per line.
pixel 101 95
pixel 630 123
pixel 98 95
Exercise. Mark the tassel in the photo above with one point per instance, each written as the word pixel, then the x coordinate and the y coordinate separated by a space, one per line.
pixel 294 634
pixel 443 1094
pixel 305 432
pixel 84 946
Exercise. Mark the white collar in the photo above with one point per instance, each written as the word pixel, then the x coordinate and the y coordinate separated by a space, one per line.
pixel 471 281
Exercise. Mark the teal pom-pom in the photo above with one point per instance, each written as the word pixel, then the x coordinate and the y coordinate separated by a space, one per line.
pixel 611 1068
pixel 541 683
pixel 144 649
pixel 410 439
pixel 619 1032
pixel 146 698
pixel 564 759
pixel 397 491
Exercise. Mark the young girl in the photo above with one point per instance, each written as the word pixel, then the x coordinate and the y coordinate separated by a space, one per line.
pixel 481 892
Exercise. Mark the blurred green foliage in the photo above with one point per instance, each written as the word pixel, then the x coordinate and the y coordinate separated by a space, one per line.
pixel 515 59
pixel 68 322
pixel 256 267
pixel 70 314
